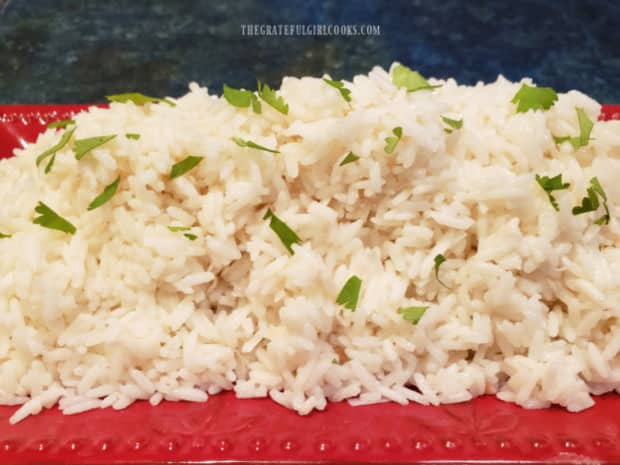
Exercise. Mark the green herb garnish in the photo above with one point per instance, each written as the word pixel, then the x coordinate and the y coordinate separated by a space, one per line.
pixel 132 136
pixel 287 236
pixel 191 237
pixel 61 143
pixel 50 164
pixel 182 167
pixel 439 259
pixel 350 158
pixel 83 146
pixel 242 98
pixel 552 184
pixel 60 124
pixel 106 195
pixel 402 76
pixel 138 99
pixel 350 293
pixel 269 96
pixel 392 141
pixel 5 236
pixel 534 98
pixel 339 86
pixel 453 123
pixel 248 143
pixel 591 202
pixel 48 218
pixel 412 314
pixel 585 128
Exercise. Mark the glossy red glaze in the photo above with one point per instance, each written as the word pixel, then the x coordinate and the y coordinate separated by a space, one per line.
pixel 228 430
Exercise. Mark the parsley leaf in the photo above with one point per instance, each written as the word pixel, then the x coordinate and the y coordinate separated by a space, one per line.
pixel 402 76
pixel 106 195
pixel 339 85
pixel 591 202
pixel 392 141
pixel 453 123
pixel 269 96
pixel 191 237
pixel 60 124
pixel 64 140
pixel 48 218
pixel 237 97
pixel 585 128
pixel 182 167
pixel 412 314
pixel 5 236
pixel 138 99
pixel 534 98
pixel 248 143
pixel 287 236
pixel 439 259
pixel 350 293
pixel 132 136
pixel 242 98
pixel 552 184
pixel 83 146
pixel 350 158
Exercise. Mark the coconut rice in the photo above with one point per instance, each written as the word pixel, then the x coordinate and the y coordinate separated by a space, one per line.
pixel 126 309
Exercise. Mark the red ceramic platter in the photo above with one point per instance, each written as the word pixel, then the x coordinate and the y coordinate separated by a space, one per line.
pixel 228 430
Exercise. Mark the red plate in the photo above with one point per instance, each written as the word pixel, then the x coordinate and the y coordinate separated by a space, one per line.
pixel 228 430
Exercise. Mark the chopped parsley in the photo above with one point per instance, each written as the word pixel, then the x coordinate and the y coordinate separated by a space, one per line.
pixel 534 98
pixel 182 167
pixel 191 237
pixel 350 158
pixel 412 314
pixel 402 76
pixel 269 96
pixel 64 140
pixel 585 128
pixel 552 184
pixel 591 202
pixel 252 145
pixel 60 124
pixel 242 98
pixel 132 136
pixel 350 293
pixel 453 123
pixel 138 99
pixel 5 236
pixel 287 236
pixel 339 86
pixel 84 146
pixel 439 259
pixel 392 141
pixel 48 218
pixel 106 195
pixel 50 164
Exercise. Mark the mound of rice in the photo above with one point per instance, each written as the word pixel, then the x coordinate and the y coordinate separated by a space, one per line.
pixel 125 309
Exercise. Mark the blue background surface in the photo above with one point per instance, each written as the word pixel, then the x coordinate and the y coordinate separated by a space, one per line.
pixel 55 51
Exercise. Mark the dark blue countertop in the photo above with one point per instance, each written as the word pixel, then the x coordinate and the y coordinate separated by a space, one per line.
pixel 55 51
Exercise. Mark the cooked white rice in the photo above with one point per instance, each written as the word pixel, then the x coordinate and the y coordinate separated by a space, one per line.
pixel 126 309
